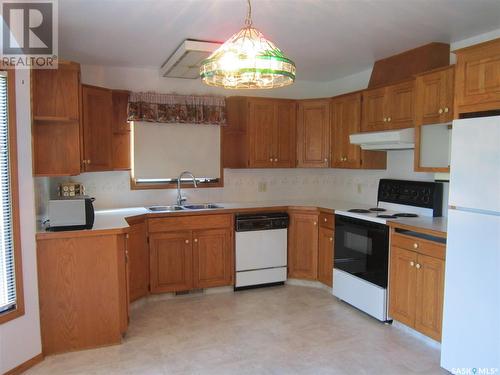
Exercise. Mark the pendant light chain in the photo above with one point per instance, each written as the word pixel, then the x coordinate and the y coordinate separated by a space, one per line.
pixel 248 19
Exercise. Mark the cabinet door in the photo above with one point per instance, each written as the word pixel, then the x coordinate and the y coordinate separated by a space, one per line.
pixel 56 93
pixel 430 294
pixel 284 144
pixel 401 105
pixel 171 260
pixel 97 129
pixel 121 131
pixel 138 260
pixel 346 120
pixel 303 246
pixel 434 97
pixel 213 263
pixel 56 120
pixel 325 256
pixel 402 285
pixel 374 110
pixel 313 134
pixel 477 81
pixel 261 125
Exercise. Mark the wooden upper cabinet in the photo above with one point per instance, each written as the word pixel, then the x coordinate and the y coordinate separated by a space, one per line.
pixel 346 120
pixel 97 129
pixel 313 133
pixel 477 78
pixel 390 107
pixel 284 144
pixel 213 263
pixel 374 117
pixel 401 105
pixel 303 246
pixel 434 97
pixel 121 131
pixel 56 93
pixel 260 133
pixel 171 261
pixel 261 127
pixel 56 120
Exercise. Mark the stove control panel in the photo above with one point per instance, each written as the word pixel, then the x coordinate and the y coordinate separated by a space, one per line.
pixel 413 193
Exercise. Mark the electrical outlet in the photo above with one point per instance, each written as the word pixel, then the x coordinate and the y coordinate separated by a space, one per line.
pixel 262 187
pixel 359 189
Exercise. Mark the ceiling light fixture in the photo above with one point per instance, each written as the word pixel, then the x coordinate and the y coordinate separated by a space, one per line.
pixel 247 60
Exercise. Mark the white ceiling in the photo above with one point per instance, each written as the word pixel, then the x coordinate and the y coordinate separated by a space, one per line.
pixel 327 39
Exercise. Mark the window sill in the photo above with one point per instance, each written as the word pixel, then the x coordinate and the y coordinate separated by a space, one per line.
pixel 11 315
pixel 173 185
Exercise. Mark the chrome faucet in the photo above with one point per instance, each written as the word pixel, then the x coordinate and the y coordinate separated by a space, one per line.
pixel 180 199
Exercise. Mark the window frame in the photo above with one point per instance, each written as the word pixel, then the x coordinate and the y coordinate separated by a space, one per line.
pixel 14 186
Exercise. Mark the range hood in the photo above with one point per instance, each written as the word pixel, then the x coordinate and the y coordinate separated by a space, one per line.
pixel 403 139
pixel 186 60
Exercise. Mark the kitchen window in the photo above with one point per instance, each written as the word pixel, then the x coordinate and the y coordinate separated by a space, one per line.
pixel 11 296
pixel 160 152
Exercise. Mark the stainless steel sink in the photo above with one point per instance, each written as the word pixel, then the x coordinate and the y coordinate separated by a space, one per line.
pixel 166 208
pixel 204 206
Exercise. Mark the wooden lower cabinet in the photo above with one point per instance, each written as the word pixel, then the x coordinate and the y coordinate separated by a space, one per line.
pixel 416 284
pixel 403 276
pixel 195 252
pixel 212 258
pixel 171 261
pixel 83 291
pixel 138 255
pixel 430 296
pixel 303 245
pixel 325 255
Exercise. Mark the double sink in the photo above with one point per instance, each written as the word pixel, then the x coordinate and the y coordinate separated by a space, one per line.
pixel 173 208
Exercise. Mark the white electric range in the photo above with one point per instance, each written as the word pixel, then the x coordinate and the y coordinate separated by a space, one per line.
pixel 361 256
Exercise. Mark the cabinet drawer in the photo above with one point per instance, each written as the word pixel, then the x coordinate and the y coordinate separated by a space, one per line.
pixel 167 224
pixel 326 220
pixel 419 245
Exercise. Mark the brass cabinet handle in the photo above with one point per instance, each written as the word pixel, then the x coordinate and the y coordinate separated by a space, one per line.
pixel 325 219
pixel 385 119
pixel 412 263
pixel 186 241
pixel 271 159
pixel 389 119
pixel 276 159
pixel 440 110
pixel 331 239
pixel 326 160
pixel 415 245
pixel 315 223
pixel 418 266
pixel 195 240
pixel 446 109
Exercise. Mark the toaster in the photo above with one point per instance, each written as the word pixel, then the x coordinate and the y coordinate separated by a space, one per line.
pixel 71 213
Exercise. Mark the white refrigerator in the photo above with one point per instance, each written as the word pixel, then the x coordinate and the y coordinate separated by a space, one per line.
pixel 471 316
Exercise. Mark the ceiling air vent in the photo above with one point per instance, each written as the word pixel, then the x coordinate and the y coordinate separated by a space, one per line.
pixel 186 60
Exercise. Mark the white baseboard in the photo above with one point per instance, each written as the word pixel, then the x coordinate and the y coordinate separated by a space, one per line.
pixel 420 336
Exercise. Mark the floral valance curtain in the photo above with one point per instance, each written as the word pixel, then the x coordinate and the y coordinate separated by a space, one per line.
pixel 169 108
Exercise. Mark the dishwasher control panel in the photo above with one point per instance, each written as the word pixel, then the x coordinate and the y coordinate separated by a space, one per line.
pixel 264 221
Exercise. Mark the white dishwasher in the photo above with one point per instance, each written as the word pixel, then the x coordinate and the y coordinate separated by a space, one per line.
pixel 261 249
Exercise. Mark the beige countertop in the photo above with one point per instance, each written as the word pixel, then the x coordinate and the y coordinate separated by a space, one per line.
pixel 114 220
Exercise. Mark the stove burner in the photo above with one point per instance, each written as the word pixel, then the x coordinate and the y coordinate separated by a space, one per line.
pixel 359 211
pixel 387 216
pixel 404 214
pixel 376 209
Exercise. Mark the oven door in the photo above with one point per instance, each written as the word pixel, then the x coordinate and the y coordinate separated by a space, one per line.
pixel 362 249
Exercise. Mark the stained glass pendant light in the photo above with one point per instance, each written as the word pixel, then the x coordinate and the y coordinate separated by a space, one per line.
pixel 247 60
